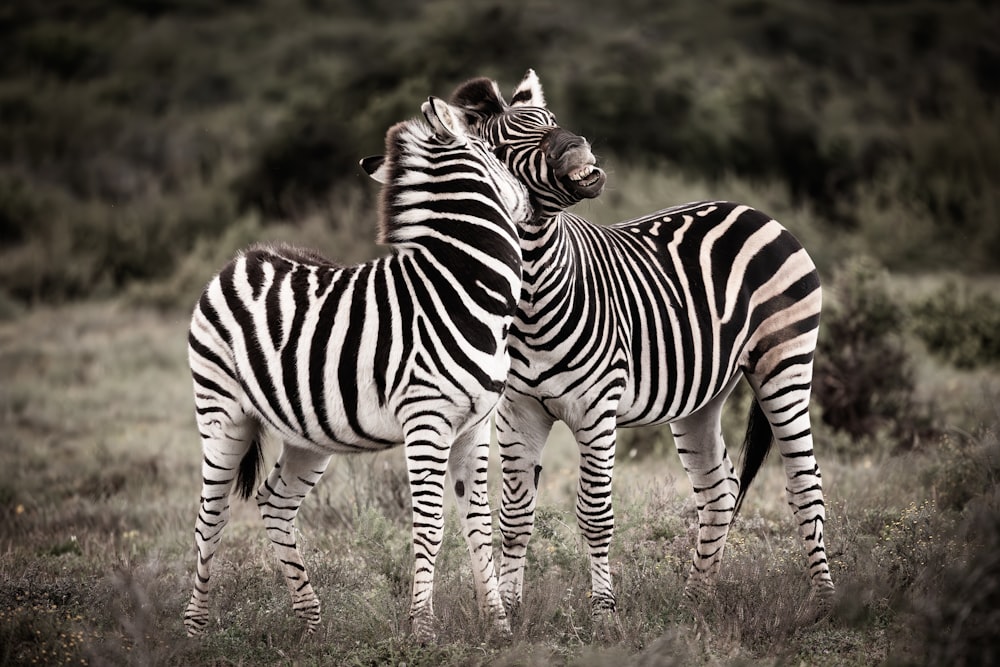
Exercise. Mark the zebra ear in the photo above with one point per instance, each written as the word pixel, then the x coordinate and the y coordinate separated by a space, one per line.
pixel 375 166
pixel 447 121
pixel 478 99
pixel 529 92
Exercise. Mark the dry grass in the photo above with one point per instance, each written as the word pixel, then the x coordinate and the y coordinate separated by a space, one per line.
pixel 97 504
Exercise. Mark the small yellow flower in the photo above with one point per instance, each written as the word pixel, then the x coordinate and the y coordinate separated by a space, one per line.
pixel 19 509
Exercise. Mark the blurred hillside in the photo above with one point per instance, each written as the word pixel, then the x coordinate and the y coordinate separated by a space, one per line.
pixel 137 134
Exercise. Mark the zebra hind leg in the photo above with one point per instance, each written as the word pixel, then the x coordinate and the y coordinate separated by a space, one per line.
pixel 294 475
pixel 230 451
pixel 785 403
pixel 703 454
pixel 467 465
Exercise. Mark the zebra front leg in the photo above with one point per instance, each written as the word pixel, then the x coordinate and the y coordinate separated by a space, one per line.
pixel 426 462
pixel 279 498
pixel 703 454
pixel 522 428
pixel 221 458
pixel 594 512
pixel 467 465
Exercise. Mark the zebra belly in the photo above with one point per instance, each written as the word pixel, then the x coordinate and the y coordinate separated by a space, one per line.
pixel 661 391
pixel 661 394
pixel 360 419
pixel 335 426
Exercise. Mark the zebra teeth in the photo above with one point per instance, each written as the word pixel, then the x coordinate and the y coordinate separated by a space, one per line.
pixel 581 173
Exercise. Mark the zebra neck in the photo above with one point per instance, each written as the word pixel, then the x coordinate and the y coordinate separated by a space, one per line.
pixel 488 276
pixel 544 247
pixel 479 248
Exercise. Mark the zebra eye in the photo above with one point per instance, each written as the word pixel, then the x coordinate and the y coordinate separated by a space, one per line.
pixel 501 150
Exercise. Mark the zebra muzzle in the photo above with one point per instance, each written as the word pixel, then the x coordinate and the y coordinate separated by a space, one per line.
pixel 574 165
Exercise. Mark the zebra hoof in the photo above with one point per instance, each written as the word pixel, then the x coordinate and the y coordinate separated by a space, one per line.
pixel 502 630
pixel 512 605
pixel 603 605
pixel 308 611
pixel 423 629
pixel 195 621
pixel 824 592
pixel 699 592
pixel 497 614
pixel 822 599
pixel 194 631
pixel 607 626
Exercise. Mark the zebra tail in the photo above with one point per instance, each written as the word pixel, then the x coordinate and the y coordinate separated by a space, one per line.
pixel 756 445
pixel 249 471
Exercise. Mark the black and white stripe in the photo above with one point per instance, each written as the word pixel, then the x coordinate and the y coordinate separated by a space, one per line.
pixel 648 321
pixel 407 349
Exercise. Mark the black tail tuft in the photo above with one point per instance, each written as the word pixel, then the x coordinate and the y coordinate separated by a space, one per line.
pixel 250 469
pixel 756 445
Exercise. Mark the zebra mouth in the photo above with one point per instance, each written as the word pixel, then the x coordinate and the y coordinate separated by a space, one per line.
pixel 586 181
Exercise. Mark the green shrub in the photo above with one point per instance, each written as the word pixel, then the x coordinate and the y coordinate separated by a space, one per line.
pixel 20 209
pixel 62 51
pixel 90 250
pixel 297 166
pixel 960 325
pixel 863 374
pixel 966 467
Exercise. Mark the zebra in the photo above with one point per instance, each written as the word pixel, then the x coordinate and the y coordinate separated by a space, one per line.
pixel 409 348
pixel 647 321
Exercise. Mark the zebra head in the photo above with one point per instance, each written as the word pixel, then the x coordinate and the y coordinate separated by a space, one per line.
pixel 418 160
pixel 557 166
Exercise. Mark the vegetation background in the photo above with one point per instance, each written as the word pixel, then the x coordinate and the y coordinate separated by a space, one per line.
pixel 143 141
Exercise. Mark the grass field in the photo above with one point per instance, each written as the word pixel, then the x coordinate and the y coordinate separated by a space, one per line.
pixel 100 458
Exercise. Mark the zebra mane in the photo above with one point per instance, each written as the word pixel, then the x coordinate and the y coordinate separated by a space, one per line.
pixel 410 147
pixel 269 251
pixel 398 144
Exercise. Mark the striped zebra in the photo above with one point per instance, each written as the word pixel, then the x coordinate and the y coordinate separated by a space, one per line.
pixel 647 321
pixel 410 348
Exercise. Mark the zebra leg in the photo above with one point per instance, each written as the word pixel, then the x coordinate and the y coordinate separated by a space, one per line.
pixel 594 513
pixel 785 402
pixel 703 454
pixel 426 462
pixel 467 466
pixel 522 428
pixel 279 497
pixel 225 443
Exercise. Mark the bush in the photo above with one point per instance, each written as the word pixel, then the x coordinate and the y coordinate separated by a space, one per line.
pixel 863 374
pixel 967 467
pixel 20 209
pixel 296 167
pixel 881 120
pixel 960 326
